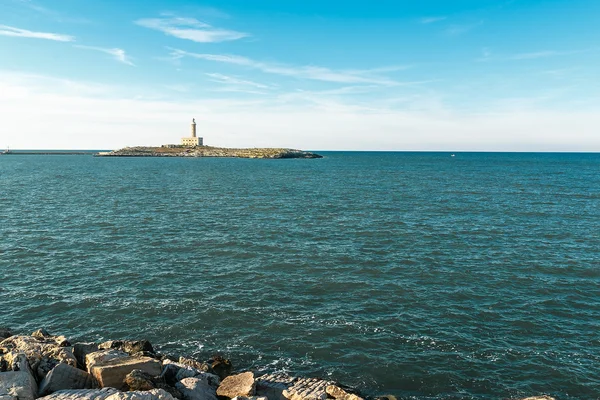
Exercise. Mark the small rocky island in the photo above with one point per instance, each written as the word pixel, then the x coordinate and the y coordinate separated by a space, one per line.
pixel 207 151
pixel 51 367
pixel 193 146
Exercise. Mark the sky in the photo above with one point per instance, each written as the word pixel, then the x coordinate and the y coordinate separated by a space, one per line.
pixel 432 75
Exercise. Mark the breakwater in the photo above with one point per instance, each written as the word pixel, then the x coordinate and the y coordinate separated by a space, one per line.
pixel 207 151
pixel 50 367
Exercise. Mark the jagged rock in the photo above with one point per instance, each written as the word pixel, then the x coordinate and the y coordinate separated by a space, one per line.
pixel 7 397
pixel 139 380
pixel 221 367
pixel 340 394
pixel 83 394
pixel 238 385
pixel 307 389
pixel 273 385
pixel 64 377
pixel 386 397
pixel 41 333
pixel 250 398
pixel 197 389
pixel 18 384
pixel 42 352
pixel 128 346
pixel 195 364
pixel 5 333
pixel 539 398
pixel 81 350
pixel 174 372
pixel 154 394
pixel 113 372
pixel 99 357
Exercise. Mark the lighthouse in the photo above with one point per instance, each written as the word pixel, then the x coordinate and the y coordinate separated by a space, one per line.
pixel 193 140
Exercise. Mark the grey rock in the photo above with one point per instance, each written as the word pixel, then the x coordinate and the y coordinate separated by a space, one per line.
pixel 250 398
pixel 99 357
pixel 139 380
pixel 128 346
pixel 19 384
pixel 154 394
pixel 340 394
pixel 64 377
pixel 307 389
pixel 196 389
pixel 84 394
pixel 273 385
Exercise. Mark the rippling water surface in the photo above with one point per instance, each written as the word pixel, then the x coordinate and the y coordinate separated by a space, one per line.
pixel 416 274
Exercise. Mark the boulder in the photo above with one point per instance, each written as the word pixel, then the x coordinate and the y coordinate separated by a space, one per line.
pixel 99 357
pixel 83 394
pixel 113 372
pixel 273 385
pixel 197 389
pixel 42 352
pixel 195 364
pixel 250 398
pixel 154 394
pixel 340 394
pixel 128 346
pixel 539 398
pixel 174 372
pixel 307 389
pixel 18 384
pixel 64 377
pixel 238 385
pixel 221 367
pixel 139 380
pixel 81 350
pixel 41 333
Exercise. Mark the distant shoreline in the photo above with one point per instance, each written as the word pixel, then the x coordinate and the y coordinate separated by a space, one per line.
pixel 207 151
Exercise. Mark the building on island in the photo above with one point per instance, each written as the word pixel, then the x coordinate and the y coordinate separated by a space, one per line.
pixel 192 140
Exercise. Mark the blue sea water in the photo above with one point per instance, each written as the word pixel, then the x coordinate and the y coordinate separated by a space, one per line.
pixel 414 274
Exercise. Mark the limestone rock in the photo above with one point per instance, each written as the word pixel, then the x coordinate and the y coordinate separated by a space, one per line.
pixel 64 377
pixel 99 357
pixel 128 346
pixel 41 333
pixel 340 394
pixel 18 384
pixel 238 385
pixel 273 385
pixel 196 389
pixel 139 380
pixel 83 394
pixel 250 398
pixel 81 350
pixel 42 352
pixel 174 372
pixel 113 372
pixel 195 364
pixel 539 398
pixel 307 389
pixel 154 394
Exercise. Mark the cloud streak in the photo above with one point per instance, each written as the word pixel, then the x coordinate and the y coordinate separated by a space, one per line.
pixel 299 72
pixel 230 80
pixel 190 29
pixel 118 54
pixel 431 20
pixel 24 33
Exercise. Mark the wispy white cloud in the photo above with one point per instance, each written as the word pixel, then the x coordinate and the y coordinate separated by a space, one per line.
pixel 190 29
pixel 431 20
pixel 118 54
pixel 231 80
pixel 18 32
pixel 460 29
pixel 299 72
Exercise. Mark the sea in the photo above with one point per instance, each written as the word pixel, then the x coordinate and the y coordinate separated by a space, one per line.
pixel 419 275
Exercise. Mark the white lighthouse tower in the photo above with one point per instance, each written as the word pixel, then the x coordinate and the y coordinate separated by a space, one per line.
pixel 193 140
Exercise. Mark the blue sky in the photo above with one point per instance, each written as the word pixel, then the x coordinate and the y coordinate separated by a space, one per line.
pixel 518 75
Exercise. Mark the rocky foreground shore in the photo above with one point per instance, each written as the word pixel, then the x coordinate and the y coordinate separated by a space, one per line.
pixel 50 367
pixel 207 151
